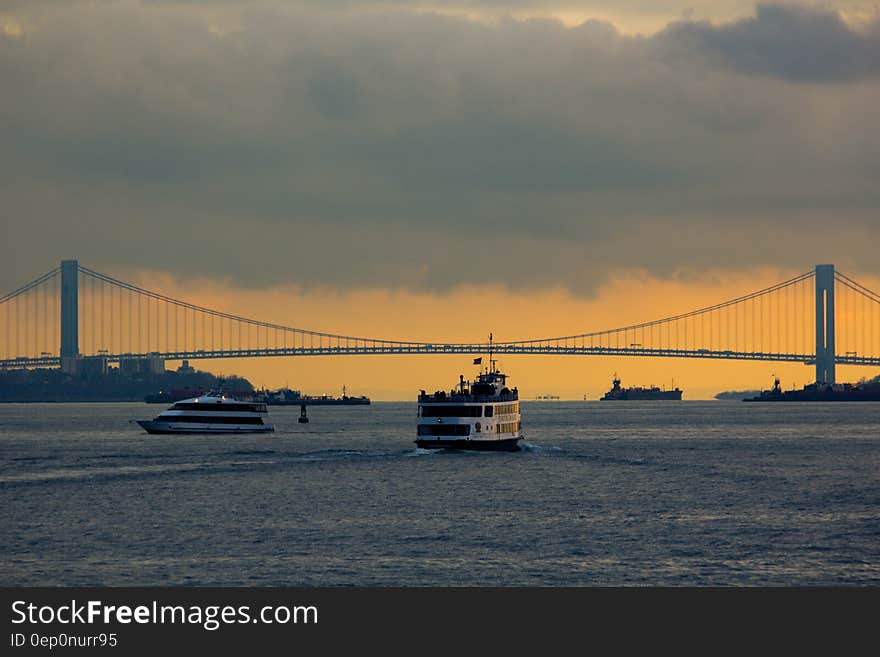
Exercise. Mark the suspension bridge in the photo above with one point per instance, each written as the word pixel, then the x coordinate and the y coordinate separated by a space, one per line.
pixel 74 317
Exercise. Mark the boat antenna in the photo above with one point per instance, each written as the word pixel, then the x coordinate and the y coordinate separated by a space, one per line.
pixel 491 362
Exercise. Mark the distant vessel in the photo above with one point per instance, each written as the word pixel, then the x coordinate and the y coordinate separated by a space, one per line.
pixel 210 413
pixel 479 415
pixel 171 396
pixel 288 397
pixel 546 397
pixel 736 395
pixel 865 391
pixel 630 394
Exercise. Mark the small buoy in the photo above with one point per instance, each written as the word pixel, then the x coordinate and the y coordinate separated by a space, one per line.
pixel 303 418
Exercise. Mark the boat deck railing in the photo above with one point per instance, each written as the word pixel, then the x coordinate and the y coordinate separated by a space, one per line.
pixel 458 398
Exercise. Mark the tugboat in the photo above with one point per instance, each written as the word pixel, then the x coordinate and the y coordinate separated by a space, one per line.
pixel 774 394
pixel 637 393
pixel 479 415
pixel 210 413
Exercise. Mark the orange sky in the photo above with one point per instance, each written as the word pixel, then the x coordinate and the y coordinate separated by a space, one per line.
pixel 377 150
pixel 468 314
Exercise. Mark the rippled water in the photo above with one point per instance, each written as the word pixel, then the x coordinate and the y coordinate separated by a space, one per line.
pixel 606 493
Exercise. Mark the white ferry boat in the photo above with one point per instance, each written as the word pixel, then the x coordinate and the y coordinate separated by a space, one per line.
pixel 210 413
pixel 479 415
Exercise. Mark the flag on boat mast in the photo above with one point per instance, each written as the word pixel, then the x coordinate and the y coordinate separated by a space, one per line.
pixel 478 361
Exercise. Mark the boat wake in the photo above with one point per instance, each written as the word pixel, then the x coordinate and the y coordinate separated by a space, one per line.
pixel 538 449
pixel 327 454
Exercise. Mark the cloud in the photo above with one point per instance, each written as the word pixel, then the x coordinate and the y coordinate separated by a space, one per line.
pixel 802 44
pixel 426 151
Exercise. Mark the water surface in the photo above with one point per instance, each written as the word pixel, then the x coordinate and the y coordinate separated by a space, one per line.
pixel 628 493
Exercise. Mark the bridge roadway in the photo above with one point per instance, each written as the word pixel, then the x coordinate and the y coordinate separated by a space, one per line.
pixel 415 348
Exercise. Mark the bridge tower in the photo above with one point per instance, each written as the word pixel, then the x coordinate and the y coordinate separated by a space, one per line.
pixel 69 312
pixel 825 324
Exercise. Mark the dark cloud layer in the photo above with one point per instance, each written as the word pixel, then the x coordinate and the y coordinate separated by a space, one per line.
pixel 785 41
pixel 400 149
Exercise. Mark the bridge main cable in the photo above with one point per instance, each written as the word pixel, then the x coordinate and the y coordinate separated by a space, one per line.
pixel 237 318
pixel 673 318
pixel 334 336
pixel 29 286
pixel 857 287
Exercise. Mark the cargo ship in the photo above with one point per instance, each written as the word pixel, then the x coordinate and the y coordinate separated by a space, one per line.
pixel 288 397
pixel 864 391
pixel 639 394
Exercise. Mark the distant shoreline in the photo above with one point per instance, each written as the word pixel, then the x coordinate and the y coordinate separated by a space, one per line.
pixel 374 401
pixel 72 401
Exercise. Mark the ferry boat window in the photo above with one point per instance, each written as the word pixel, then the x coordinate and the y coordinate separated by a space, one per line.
pixel 489 410
pixel 238 408
pixel 507 427
pixel 444 429
pixel 451 411
pixel 213 419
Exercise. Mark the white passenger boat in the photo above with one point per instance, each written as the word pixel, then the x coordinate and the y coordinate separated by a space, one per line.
pixel 478 415
pixel 210 413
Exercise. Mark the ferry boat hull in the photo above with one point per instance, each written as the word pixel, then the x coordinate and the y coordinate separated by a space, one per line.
pixel 478 415
pixel 210 413
pixel 156 427
pixel 504 445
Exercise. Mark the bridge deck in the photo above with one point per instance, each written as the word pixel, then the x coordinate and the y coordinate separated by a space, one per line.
pixel 468 349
